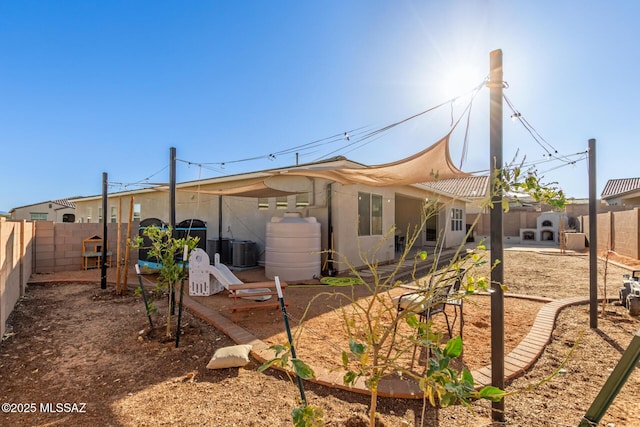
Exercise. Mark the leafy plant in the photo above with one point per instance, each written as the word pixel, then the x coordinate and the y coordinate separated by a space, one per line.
pixel 511 181
pixel 168 250
pixel 378 346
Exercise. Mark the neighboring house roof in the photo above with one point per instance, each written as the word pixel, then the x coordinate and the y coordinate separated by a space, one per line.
pixel 468 187
pixel 65 202
pixel 618 187
pixel 62 202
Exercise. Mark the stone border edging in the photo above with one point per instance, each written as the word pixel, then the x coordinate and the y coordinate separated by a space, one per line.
pixel 516 363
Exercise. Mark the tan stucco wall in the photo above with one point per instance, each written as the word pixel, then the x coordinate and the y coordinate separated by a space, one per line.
pixel 377 248
pixel 241 217
pixel 54 211
pixel 242 220
pixel 16 240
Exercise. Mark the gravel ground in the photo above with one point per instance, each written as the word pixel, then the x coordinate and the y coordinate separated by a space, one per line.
pixel 75 343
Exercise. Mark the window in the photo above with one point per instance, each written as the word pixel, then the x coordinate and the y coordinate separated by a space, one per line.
pixel 263 203
pixel 376 214
pixel 302 200
pixel 136 212
pixel 89 210
pixel 369 214
pixel 281 202
pixel 37 216
pixel 114 214
pixel 99 214
pixel 456 219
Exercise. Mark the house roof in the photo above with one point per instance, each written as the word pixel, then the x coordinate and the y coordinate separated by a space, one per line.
pixel 469 186
pixel 250 184
pixel 618 187
pixel 65 202
pixel 269 183
pixel 62 202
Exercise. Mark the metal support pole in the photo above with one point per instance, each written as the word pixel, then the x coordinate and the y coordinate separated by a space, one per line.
pixel 497 247
pixel 330 242
pixel 627 364
pixel 283 308
pixel 144 296
pixel 185 257
pixel 593 239
pixel 220 224
pixel 103 266
pixel 172 188
pixel 172 215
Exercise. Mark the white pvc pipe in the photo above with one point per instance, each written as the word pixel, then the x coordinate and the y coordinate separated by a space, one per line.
pixel 278 288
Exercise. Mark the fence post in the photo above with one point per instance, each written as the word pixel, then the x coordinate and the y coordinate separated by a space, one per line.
pixel 614 383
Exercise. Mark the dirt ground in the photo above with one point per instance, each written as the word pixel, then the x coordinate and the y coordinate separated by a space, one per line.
pixel 74 355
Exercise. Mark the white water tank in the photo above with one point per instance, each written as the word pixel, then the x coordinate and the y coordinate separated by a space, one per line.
pixel 292 249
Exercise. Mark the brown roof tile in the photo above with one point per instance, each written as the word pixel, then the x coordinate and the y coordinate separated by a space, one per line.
pixel 469 187
pixel 615 187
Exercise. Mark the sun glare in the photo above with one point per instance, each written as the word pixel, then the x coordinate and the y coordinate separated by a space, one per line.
pixel 459 81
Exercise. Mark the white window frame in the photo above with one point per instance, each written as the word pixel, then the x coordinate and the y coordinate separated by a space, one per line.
pixel 456 219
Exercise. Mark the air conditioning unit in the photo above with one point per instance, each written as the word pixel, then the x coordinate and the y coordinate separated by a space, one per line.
pixel 243 253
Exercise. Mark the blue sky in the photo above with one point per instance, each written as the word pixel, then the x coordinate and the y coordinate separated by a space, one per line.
pixel 93 87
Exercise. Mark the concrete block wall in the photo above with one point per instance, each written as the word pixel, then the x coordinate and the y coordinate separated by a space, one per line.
pixel 606 234
pixel 626 233
pixel 15 260
pixel 618 231
pixel 58 246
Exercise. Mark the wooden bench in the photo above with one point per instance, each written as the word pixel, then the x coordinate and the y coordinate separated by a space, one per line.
pixel 239 297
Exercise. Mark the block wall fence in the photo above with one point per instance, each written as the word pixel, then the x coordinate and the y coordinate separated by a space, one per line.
pixel 16 259
pixel 617 231
pixel 46 247
pixel 58 245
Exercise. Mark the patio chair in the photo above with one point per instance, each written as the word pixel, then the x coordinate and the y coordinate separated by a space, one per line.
pixel 431 301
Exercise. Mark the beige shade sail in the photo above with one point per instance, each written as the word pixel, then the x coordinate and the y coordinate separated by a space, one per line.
pixel 263 186
pixel 431 164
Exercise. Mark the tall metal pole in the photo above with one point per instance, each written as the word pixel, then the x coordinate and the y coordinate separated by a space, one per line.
pixel 283 308
pixel 497 247
pixel 172 188
pixel 103 266
pixel 593 239
pixel 172 214
pixel 220 224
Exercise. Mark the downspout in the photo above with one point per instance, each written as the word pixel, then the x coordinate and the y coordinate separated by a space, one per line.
pixel 330 269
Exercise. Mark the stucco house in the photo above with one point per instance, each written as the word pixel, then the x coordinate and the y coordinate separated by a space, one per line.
pixel 354 207
pixel 622 192
pixel 61 210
